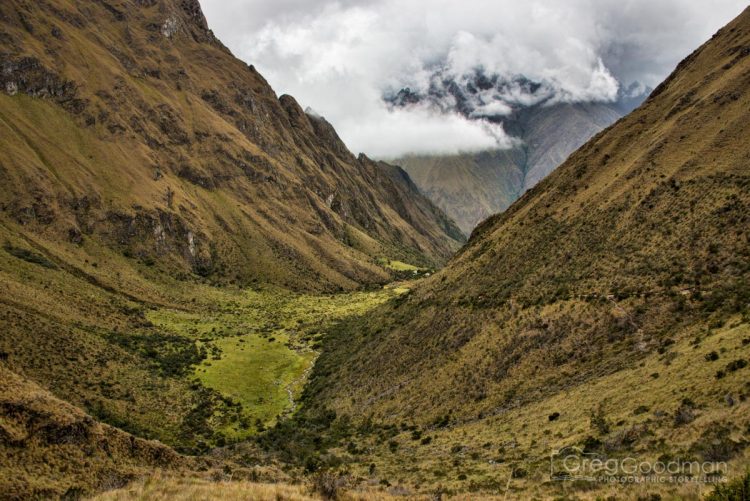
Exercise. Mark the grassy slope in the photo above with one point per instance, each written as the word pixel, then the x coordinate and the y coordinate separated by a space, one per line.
pixel 135 140
pixel 49 448
pixel 136 363
pixel 146 180
pixel 640 404
pixel 631 249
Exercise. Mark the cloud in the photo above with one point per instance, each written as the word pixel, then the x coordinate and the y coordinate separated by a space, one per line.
pixel 341 56
pixel 389 134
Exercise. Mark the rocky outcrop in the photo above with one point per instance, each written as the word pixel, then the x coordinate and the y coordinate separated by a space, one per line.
pixel 29 76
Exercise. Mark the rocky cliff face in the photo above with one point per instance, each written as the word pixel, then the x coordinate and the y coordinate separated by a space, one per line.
pixel 128 123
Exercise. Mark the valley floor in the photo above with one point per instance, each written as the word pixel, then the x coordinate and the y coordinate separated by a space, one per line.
pixel 261 345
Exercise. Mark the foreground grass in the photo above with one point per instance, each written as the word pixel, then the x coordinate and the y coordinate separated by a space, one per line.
pixel 161 487
pixel 166 488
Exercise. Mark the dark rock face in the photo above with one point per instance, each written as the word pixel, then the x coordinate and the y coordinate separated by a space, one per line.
pixel 27 75
pixel 194 12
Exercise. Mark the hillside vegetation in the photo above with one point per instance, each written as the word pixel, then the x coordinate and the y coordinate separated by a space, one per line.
pixel 614 292
pixel 193 300
pixel 128 124
pixel 171 233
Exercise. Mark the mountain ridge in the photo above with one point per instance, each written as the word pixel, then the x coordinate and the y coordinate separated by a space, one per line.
pixel 625 269
pixel 544 125
pixel 155 196
pixel 580 190
pixel 283 152
pixel 471 187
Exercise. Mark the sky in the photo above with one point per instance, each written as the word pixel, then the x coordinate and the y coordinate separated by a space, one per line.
pixel 340 58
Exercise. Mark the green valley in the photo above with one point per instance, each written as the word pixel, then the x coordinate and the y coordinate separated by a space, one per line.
pixel 261 344
pixel 204 294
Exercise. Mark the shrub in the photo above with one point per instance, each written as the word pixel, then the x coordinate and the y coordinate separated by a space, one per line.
pixel 650 497
pixel 712 357
pixel 327 485
pixel 442 422
pixel 684 414
pixel 641 409
pixel 591 444
pixel 736 365
pixel 599 422
pixel 518 473
pixel 737 490
pixel 715 444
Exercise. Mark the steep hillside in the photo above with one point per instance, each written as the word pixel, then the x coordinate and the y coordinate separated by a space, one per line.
pixel 50 449
pixel 472 187
pixel 607 308
pixel 127 123
pixel 166 220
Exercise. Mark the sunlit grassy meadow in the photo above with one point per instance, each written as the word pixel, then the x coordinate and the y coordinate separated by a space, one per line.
pixel 260 344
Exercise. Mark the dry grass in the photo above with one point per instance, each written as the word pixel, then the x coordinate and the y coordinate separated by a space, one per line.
pixel 167 487
pixel 146 177
pixel 607 284
pixel 164 487
pixel 153 154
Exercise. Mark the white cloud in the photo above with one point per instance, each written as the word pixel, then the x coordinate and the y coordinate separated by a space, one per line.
pixel 389 134
pixel 340 56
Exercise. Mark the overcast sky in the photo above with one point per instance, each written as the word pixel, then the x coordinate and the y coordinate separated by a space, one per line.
pixel 339 57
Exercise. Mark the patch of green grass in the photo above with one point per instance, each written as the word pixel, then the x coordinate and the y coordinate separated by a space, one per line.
pixel 400 266
pixel 263 375
pixel 261 344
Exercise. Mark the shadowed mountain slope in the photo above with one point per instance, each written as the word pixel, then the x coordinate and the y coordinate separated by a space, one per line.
pixel 473 186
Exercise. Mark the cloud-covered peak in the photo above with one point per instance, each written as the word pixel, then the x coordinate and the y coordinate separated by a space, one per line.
pixel 343 56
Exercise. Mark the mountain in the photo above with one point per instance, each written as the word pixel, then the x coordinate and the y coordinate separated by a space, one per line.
pixel 160 206
pixel 607 310
pixel 546 124
pixel 128 124
pixel 473 186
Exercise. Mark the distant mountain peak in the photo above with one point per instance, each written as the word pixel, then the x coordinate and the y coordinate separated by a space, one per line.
pixel 545 124
pixel 491 96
